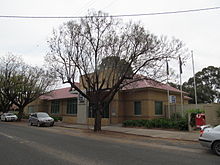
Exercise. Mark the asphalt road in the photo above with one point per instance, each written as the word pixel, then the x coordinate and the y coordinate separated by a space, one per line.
pixel 29 145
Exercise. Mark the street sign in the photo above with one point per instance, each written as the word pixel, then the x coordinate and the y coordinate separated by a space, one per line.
pixel 172 99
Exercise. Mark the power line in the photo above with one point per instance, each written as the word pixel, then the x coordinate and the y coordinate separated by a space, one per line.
pixel 108 5
pixel 86 6
pixel 122 15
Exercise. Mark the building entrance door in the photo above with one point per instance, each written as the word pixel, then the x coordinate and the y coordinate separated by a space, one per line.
pixel 82 113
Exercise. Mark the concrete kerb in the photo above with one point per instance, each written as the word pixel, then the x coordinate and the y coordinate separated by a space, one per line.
pixel 73 127
pixel 149 136
pixel 120 130
pixel 84 127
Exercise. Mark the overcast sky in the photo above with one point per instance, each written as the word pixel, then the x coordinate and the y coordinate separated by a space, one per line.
pixel 200 31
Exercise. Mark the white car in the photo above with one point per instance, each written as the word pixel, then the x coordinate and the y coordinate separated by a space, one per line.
pixel 210 137
pixel 8 117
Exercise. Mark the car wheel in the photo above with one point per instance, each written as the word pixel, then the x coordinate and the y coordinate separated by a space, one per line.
pixel 216 148
pixel 30 123
pixel 38 124
pixel 5 119
pixel 52 124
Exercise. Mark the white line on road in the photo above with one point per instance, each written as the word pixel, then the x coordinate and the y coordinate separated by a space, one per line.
pixel 6 135
pixel 66 156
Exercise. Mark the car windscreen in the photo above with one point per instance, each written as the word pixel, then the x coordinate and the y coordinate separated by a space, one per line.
pixel 42 115
pixel 217 128
pixel 9 114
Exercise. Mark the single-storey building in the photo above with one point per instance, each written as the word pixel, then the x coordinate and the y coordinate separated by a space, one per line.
pixel 144 99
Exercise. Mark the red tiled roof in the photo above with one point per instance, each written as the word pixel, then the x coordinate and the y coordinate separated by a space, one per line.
pixel 149 83
pixel 187 97
pixel 62 93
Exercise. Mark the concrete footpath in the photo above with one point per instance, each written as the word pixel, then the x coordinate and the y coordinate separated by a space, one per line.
pixel 157 133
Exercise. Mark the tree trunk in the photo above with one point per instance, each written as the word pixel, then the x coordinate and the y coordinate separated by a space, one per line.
pixel 98 119
pixel 20 114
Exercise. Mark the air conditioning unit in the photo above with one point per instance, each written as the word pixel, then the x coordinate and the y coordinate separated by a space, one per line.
pixel 74 92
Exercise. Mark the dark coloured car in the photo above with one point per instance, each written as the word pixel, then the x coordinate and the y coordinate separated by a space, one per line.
pixel 40 119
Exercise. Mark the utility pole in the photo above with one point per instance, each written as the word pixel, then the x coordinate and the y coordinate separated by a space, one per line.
pixel 181 88
pixel 168 91
pixel 194 80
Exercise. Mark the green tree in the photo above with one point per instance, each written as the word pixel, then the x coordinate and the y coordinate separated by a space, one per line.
pixel 177 86
pixel 5 104
pixel 20 83
pixel 207 85
pixel 83 48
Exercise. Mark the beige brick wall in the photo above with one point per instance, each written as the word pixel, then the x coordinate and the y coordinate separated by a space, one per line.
pixel 210 111
pixel 70 119
pixel 211 114
pixel 121 108
pixel 147 97
pixel 38 105
pixel 105 121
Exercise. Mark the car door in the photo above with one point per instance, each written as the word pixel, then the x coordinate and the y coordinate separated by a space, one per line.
pixel 216 134
pixel 31 118
pixel 34 118
pixel 3 117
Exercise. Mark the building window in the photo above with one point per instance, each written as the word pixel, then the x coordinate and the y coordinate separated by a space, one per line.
pixel 31 109
pixel 137 108
pixel 158 108
pixel 92 111
pixel 105 111
pixel 72 106
pixel 55 107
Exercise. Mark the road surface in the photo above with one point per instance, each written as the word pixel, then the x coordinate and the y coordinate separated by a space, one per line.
pixel 30 145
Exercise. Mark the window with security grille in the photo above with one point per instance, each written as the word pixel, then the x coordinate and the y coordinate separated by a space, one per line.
pixel 55 107
pixel 105 111
pixel 158 108
pixel 137 108
pixel 92 109
pixel 31 109
pixel 72 106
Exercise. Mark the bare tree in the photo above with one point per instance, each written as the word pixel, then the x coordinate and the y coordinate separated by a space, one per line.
pixel 82 49
pixel 20 83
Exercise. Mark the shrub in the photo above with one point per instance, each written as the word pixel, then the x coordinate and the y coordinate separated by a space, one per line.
pixel 181 124
pixel 14 112
pixel 147 124
pixel 57 118
pixel 197 111
pixel 25 116
pixel 128 123
pixel 193 113
pixel 175 116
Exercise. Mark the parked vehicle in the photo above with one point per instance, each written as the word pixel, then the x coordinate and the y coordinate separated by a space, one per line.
pixel 210 137
pixel 40 119
pixel 8 117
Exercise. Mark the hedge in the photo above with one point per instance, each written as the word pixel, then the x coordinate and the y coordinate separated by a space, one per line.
pixel 57 118
pixel 180 124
